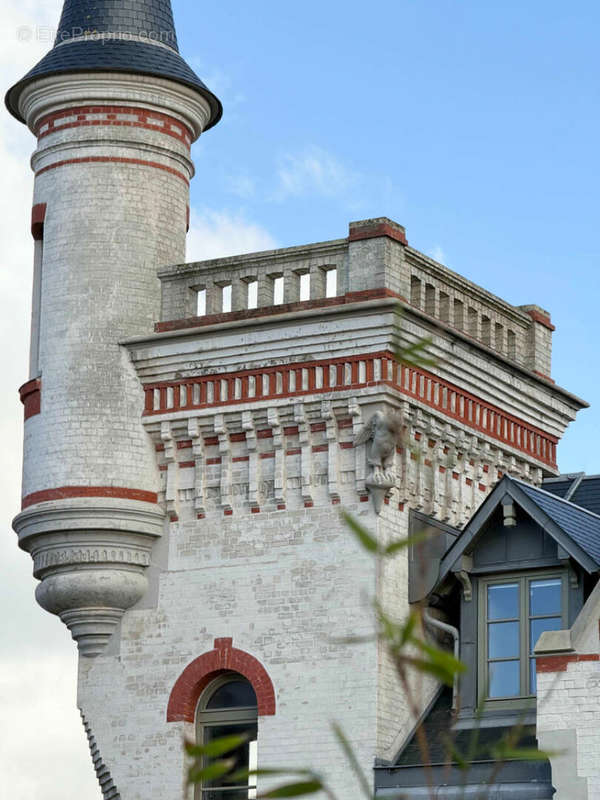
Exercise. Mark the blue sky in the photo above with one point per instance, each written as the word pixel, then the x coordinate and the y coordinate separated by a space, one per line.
pixel 476 125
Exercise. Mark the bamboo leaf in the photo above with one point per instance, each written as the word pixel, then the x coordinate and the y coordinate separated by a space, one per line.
pixel 294 789
pixel 244 774
pixel 504 752
pixel 364 537
pixel 351 756
pixel 216 748
pixel 210 772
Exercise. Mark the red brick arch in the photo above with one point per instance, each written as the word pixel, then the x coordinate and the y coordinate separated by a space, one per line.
pixel 200 672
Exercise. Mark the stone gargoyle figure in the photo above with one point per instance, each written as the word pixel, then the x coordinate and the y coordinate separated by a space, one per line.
pixel 383 431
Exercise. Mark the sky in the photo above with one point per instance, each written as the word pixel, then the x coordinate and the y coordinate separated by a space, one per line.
pixel 474 124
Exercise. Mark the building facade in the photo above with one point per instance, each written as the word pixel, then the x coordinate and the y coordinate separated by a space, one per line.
pixel 192 433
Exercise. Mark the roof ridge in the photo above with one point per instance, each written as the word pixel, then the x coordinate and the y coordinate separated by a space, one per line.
pixel 556 497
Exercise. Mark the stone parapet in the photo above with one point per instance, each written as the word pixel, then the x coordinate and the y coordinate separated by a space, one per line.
pixel 374 257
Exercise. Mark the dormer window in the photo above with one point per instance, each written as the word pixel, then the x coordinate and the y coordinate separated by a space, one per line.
pixel 515 612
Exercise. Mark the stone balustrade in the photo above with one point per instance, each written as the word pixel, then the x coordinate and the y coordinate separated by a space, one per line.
pixel 374 258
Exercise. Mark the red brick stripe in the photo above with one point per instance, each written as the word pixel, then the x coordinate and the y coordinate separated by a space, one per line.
pixel 375 231
pixel 544 320
pixel 68 492
pixel 282 308
pixel 38 215
pixel 143 116
pixel 559 663
pixel 352 373
pixel 31 397
pixel 204 669
pixel 114 160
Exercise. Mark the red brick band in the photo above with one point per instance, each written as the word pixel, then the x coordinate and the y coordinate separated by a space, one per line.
pixel 115 160
pixel 68 492
pixel 352 373
pixel 204 669
pixel 38 215
pixel 119 116
pixel 375 231
pixel 559 663
pixel 31 397
pixel 541 318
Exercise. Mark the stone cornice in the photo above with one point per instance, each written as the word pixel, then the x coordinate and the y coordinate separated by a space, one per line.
pixel 48 95
pixel 275 318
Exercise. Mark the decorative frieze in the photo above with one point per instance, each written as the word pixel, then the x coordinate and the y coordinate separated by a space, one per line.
pixel 350 374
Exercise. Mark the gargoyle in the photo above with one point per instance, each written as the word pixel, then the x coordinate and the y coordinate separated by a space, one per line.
pixel 383 431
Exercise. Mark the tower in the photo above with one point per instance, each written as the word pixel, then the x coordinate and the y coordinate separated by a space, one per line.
pixel 184 472
pixel 115 109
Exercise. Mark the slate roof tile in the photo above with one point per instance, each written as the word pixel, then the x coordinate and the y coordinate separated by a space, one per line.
pixel 150 19
pixel 582 525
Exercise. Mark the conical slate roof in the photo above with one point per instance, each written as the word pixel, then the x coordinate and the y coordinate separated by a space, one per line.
pixel 134 36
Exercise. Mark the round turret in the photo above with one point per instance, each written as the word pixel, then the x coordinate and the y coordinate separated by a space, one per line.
pixel 115 110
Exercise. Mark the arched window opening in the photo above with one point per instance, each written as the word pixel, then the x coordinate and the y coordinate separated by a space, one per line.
pixel 228 706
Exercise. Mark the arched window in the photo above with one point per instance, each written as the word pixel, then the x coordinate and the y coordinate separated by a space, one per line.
pixel 228 706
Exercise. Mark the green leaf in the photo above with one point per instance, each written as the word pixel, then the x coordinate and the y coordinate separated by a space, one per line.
pixel 364 537
pixel 441 658
pixel 217 747
pixel 401 544
pixel 415 354
pixel 351 756
pixel 212 771
pixel 243 774
pixel 295 789
pixel 409 627
pixel 504 752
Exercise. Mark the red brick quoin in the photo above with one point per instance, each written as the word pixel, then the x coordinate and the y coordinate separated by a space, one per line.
pixel 559 663
pixel 31 397
pixel 200 672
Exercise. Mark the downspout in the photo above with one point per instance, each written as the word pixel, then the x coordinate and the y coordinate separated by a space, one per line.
pixel 443 626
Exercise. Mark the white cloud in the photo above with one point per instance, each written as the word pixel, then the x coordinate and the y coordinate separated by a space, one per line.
pixel 242 185
pixel 313 171
pixel 214 234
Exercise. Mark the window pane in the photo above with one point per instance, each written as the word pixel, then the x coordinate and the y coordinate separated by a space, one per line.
pixel 503 601
pixel 544 597
pixel 240 756
pixel 235 694
pixel 538 626
pixel 504 679
pixel 226 794
pixel 503 640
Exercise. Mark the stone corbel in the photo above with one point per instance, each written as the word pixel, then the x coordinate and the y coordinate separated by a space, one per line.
pixel 305 440
pixel 333 450
pixel 225 453
pixel 436 453
pixel 416 459
pixel 195 435
pixel 254 465
pixel 172 487
pixel 279 474
pixel 359 450
pixel 447 461
pixel 403 446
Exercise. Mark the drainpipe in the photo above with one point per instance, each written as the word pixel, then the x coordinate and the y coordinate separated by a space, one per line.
pixel 443 626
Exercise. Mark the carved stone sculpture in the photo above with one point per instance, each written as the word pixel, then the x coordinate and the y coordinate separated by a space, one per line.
pixel 383 432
